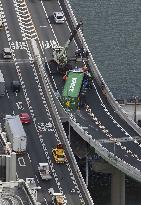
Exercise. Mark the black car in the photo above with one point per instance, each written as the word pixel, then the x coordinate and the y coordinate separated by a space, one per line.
pixel 15 86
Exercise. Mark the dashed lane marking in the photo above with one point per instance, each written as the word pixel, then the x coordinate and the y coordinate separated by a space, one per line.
pixel 21 161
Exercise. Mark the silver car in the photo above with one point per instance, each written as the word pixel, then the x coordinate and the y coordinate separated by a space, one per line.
pixel 7 53
pixel 59 17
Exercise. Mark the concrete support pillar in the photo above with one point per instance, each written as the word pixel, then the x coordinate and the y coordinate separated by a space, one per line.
pixel 3 167
pixel 118 188
pixel 13 167
pixel 8 168
pixel 117 184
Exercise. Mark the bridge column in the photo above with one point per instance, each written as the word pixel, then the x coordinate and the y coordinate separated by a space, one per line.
pixel 117 183
pixel 13 167
pixel 118 188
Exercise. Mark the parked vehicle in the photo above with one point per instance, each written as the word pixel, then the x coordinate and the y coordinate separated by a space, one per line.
pixel 15 133
pixel 44 171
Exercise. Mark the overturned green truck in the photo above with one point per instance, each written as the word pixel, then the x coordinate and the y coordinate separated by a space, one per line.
pixel 71 91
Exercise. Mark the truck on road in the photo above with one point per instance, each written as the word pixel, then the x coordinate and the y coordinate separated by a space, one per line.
pixel 44 171
pixel 15 133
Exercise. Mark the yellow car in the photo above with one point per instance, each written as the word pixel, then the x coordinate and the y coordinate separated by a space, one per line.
pixel 59 154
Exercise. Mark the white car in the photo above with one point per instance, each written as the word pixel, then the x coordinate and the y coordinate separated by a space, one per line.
pixel 59 17
pixel 7 53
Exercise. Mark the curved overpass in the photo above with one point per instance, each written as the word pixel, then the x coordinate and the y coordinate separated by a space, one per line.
pixel 114 136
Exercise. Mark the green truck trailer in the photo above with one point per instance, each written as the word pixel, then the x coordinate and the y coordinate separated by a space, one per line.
pixel 71 91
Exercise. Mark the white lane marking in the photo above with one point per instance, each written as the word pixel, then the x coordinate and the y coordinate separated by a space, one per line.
pixel 17 176
pixel 29 157
pixel 7 94
pixel 21 161
pixel 45 201
pixel 37 179
pixel 20 105
pixel 43 26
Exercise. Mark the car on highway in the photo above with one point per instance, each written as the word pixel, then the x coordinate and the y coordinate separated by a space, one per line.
pixel 59 154
pixel 59 17
pixel 15 86
pixel 25 118
pixel 7 53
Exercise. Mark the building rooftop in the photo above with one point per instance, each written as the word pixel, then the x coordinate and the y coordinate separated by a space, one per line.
pixel 15 193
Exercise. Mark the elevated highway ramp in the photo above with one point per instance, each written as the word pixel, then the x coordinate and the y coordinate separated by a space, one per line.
pixel 102 120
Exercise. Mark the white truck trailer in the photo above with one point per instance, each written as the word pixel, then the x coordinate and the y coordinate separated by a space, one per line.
pixel 15 133
pixel 2 84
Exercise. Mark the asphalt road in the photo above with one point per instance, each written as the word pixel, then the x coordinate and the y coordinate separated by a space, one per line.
pixel 38 23
pixel 106 118
pixel 42 135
